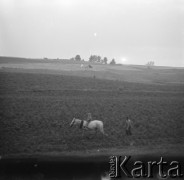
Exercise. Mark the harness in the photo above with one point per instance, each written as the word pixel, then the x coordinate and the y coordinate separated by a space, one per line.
pixel 81 124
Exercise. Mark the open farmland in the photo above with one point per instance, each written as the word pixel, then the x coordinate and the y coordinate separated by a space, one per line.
pixel 37 107
pixel 128 73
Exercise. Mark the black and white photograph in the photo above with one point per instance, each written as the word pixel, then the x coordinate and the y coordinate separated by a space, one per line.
pixel 91 89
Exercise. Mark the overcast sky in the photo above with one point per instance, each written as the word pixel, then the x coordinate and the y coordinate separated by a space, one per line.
pixel 131 31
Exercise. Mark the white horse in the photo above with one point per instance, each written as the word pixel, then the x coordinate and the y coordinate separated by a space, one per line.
pixel 92 125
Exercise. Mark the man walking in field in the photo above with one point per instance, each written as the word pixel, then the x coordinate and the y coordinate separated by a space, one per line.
pixel 128 127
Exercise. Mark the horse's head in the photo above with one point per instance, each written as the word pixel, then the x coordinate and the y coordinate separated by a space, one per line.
pixel 72 123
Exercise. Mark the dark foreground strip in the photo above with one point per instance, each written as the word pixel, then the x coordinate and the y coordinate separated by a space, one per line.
pixel 49 167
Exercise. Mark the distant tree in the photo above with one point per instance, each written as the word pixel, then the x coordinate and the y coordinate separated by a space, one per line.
pixel 99 59
pixel 105 60
pixel 113 62
pixel 77 58
pixel 93 58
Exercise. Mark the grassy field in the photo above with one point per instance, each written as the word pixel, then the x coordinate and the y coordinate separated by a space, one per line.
pixel 38 104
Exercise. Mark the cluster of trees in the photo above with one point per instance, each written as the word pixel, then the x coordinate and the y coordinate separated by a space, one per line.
pixel 95 59
pixel 77 58
pixel 150 64
pixel 98 59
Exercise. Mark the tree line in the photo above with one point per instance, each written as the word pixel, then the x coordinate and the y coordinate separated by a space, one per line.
pixel 94 59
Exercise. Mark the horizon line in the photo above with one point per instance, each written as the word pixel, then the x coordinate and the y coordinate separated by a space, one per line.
pixel 39 58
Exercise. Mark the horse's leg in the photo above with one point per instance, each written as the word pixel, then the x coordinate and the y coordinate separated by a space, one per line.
pixel 96 130
pixel 102 131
